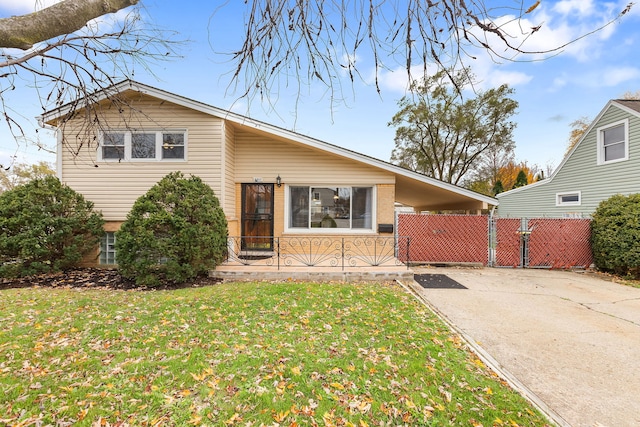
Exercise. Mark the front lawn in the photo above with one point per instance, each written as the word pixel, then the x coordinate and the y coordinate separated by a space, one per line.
pixel 246 354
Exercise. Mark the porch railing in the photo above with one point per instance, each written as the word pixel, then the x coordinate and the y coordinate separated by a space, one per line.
pixel 337 252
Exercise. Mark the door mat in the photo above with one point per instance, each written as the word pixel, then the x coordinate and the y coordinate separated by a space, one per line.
pixel 437 281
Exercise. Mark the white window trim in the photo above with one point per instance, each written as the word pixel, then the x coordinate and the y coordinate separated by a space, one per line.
pixel 568 193
pixel 600 142
pixel 338 231
pixel 127 145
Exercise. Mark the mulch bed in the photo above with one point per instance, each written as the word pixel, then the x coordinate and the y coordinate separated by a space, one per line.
pixel 93 278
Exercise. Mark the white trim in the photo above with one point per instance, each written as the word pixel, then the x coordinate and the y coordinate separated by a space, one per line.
pixel 223 166
pixel 524 187
pixel 128 145
pixel 59 154
pixel 559 196
pixel 313 230
pixel 600 142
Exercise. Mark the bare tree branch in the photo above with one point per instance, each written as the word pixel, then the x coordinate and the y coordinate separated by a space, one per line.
pixel 71 68
pixel 313 41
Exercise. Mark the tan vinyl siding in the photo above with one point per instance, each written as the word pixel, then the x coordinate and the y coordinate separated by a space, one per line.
pixel 258 156
pixel 114 186
pixel 581 173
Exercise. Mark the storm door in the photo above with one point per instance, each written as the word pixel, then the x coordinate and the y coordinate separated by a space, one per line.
pixel 257 217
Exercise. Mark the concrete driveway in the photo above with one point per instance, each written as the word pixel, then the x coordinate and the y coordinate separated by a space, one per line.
pixel 570 339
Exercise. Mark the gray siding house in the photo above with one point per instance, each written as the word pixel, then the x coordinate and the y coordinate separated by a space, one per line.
pixel 606 161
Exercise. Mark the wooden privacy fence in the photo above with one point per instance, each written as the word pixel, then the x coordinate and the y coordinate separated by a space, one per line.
pixel 502 242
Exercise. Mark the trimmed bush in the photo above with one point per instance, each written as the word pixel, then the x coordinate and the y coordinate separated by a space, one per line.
pixel 174 233
pixel 615 235
pixel 45 226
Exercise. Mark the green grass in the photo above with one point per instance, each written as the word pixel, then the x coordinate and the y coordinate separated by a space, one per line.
pixel 246 354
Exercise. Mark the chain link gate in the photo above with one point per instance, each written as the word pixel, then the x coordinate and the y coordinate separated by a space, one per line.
pixel 559 243
pixel 498 242
pixel 541 242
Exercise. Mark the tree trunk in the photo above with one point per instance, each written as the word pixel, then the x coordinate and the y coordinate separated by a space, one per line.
pixel 62 18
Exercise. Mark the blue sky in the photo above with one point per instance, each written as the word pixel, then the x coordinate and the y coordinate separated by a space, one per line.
pixel 552 92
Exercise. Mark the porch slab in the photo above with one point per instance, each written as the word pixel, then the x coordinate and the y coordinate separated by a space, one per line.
pixel 312 274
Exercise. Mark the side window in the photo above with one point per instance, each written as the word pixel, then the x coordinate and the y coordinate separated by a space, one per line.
pixel 613 143
pixel 569 199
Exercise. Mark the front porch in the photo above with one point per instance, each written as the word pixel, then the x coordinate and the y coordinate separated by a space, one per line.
pixel 352 258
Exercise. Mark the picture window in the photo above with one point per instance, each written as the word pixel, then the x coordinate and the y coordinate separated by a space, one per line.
pixel 326 208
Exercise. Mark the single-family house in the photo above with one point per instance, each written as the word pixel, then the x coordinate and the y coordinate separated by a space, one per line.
pixel 604 162
pixel 271 182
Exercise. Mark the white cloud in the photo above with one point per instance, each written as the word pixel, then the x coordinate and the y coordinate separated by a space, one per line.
pixel 396 80
pixel 487 74
pixel 490 74
pixel 582 7
pixel 512 78
pixel 604 77
pixel 615 76
pixel 559 82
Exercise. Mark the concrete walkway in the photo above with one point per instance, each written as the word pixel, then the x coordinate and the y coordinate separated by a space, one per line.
pixel 571 339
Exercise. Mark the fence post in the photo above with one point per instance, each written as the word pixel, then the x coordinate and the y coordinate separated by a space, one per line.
pixel 525 233
pixel 408 258
pixel 492 240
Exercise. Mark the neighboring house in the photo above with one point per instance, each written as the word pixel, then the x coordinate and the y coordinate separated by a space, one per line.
pixel 604 162
pixel 270 181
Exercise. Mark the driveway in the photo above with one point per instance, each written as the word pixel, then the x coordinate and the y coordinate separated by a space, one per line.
pixel 570 339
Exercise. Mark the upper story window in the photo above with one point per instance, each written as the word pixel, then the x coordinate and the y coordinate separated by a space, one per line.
pixel 144 145
pixel 613 142
pixel 330 208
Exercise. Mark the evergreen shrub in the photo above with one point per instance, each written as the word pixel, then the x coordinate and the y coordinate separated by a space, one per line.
pixel 45 226
pixel 173 233
pixel 615 235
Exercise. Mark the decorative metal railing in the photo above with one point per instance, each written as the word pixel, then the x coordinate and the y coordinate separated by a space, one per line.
pixel 318 251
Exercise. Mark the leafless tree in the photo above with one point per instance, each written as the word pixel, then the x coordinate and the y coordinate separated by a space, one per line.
pixel 313 41
pixel 72 50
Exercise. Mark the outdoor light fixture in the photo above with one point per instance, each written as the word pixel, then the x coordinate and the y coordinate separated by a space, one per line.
pixel 279 181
